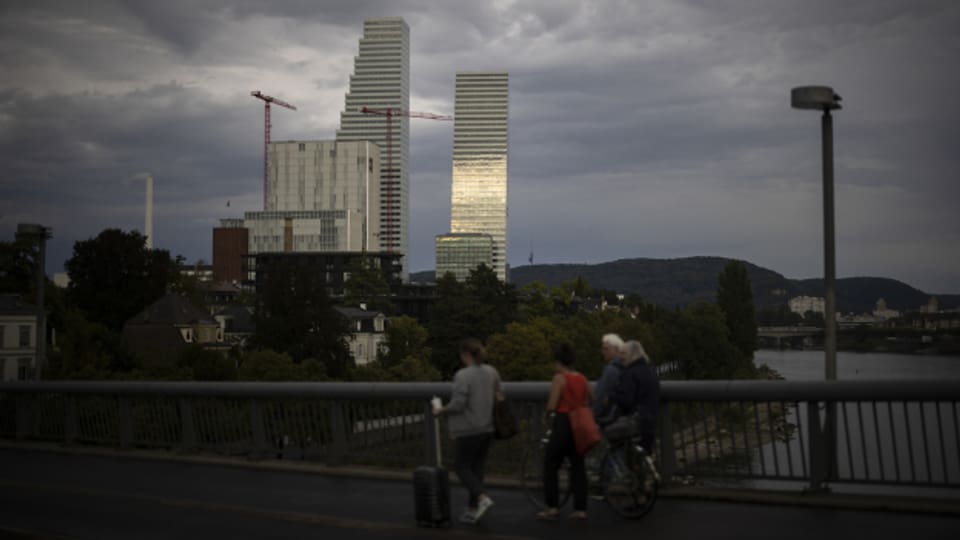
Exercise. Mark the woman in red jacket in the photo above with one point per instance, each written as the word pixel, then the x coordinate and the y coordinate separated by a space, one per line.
pixel 568 391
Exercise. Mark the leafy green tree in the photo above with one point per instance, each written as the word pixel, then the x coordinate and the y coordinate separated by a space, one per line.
pixel 536 301
pixel 735 298
pixel 295 316
pixel 367 285
pixel 522 352
pixel 479 307
pixel 270 366
pixel 18 263
pixel 814 318
pixel 406 338
pixel 699 342
pixel 90 350
pixel 207 365
pixel 114 276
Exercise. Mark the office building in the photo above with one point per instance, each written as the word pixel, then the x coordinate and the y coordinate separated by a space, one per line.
pixel 479 192
pixel 459 253
pixel 321 196
pixel 381 80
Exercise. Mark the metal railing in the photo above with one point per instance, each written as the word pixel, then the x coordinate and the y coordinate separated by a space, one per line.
pixel 886 432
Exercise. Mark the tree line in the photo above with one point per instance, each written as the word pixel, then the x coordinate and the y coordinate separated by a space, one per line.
pixel 300 336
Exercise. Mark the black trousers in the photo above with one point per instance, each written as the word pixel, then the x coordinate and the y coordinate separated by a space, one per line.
pixel 471 461
pixel 561 446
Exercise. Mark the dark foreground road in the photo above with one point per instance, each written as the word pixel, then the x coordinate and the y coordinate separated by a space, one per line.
pixel 46 495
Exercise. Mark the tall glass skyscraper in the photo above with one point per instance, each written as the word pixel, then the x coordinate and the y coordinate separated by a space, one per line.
pixel 381 80
pixel 479 192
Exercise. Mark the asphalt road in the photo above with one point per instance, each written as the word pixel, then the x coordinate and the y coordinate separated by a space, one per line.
pixel 48 495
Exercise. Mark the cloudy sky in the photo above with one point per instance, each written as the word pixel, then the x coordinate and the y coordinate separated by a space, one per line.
pixel 638 128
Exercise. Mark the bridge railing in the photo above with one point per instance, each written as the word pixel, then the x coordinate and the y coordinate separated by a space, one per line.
pixel 882 432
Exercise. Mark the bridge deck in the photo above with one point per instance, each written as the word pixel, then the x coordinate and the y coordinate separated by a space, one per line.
pixel 75 496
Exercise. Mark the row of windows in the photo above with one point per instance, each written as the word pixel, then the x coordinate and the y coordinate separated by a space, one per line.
pixel 25 332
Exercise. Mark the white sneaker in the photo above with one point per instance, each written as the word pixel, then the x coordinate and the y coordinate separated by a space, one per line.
pixel 483 505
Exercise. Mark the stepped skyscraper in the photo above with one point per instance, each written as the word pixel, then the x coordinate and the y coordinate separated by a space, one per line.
pixel 381 80
pixel 479 192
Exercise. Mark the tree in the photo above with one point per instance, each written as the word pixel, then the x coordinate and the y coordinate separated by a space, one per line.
pixel 536 301
pixel 366 285
pixel 406 338
pixel 207 365
pixel 479 307
pixel 114 276
pixel 295 316
pixel 270 366
pixel 90 350
pixel 735 298
pixel 699 343
pixel 522 352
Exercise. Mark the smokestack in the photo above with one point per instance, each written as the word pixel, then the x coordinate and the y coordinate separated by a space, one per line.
pixel 148 217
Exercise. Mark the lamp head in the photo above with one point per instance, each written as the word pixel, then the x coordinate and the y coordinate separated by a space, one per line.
pixel 818 98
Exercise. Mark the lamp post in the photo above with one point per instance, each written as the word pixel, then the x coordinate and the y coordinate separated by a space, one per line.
pixel 40 235
pixel 823 98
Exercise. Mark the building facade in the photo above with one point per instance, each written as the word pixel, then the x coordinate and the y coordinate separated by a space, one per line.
pixel 321 196
pixel 367 337
pixel 381 80
pixel 230 243
pixel 479 192
pixel 802 304
pixel 459 253
pixel 333 266
pixel 18 339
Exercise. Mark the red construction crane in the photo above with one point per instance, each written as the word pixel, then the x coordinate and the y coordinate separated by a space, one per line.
pixel 267 100
pixel 389 114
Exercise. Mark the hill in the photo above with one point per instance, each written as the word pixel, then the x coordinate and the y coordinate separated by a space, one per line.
pixel 679 282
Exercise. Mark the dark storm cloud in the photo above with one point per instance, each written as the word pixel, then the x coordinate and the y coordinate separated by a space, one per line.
pixel 657 128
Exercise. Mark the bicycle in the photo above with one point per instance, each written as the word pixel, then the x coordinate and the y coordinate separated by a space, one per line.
pixel 629 479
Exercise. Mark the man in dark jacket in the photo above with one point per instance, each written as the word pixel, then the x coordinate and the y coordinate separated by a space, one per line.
pixel 639 392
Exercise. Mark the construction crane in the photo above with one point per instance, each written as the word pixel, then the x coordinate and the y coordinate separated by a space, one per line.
pixel 267 100
pixel 389 114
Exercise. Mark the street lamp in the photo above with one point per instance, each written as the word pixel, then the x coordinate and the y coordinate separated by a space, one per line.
pixel 39 234
pixel 823 98
pixel 823 459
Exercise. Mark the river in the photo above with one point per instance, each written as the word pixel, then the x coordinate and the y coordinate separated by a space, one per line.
pixel 879 441
pixel 808 365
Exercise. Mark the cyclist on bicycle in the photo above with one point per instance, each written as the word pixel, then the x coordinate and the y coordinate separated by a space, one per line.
pixel 611 346
pixel 638 393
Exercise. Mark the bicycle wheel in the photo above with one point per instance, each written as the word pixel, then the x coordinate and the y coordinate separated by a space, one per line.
pixel 628 483
pixel 531 478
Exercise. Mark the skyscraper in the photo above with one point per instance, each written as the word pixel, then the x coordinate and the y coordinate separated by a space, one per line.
pixel 381 80
pixel 479 193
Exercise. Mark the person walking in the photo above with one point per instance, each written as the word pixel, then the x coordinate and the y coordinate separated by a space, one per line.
pixel 611 346
pixel 470 415
pixel 569 390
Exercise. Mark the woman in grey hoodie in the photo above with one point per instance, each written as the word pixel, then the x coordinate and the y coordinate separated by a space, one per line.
pixel 470 414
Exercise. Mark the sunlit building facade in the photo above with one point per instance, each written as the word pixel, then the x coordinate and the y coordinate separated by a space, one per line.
pixel 459 253
pixel 381 80
pixel 479 191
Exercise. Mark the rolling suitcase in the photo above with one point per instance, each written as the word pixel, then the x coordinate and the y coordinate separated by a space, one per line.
pixel 431 490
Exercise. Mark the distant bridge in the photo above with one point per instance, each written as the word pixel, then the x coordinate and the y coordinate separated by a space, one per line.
pixel 788 331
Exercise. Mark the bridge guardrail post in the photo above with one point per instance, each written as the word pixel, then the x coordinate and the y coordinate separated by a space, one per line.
pixel 819 464
pixel 125 420
pixel 69 419
pixel 338 442
pixel 668 457
pixel 429 435
pixel 188 430
pixel 258 430
pixel 24 427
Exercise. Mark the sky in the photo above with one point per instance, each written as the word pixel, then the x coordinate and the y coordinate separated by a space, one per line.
pixel 637 128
